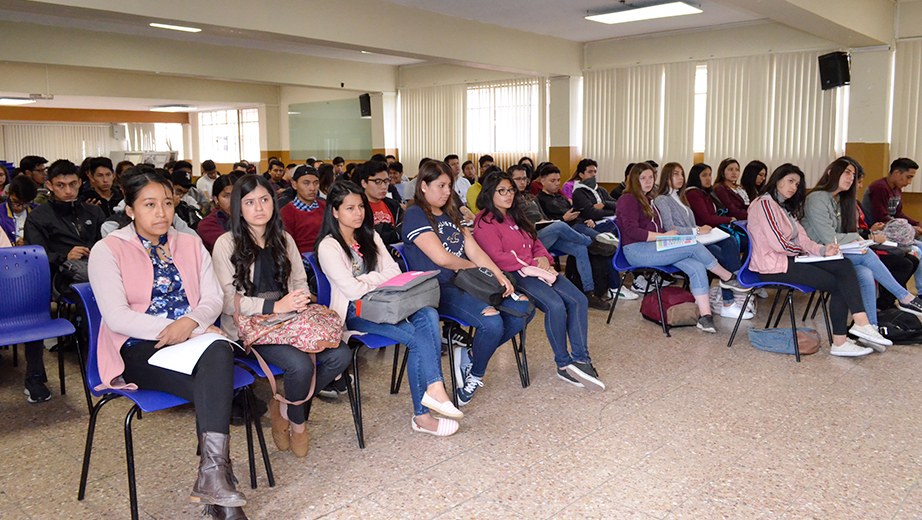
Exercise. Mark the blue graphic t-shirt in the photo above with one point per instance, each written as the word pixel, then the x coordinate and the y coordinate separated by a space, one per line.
pixel 415 224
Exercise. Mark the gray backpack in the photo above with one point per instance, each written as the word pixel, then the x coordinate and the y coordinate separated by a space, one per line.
pixel 400 297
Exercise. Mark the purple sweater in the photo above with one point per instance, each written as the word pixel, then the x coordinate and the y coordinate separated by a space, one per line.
pixel 498 240
pixel 632 222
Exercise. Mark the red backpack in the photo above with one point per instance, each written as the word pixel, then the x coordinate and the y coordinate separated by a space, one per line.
pixel 678 304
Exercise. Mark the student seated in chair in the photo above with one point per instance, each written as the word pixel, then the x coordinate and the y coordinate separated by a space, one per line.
pixel 355 260
pixel 16 208
pixel 156 287
pixel 778 238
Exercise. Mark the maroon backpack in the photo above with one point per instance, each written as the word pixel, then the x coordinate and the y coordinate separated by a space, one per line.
pixel 678 304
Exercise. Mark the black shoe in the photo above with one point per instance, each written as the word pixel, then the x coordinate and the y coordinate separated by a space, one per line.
pixel 913 307
pixel 460 337
pixel 706 323
pixel 597 303
pixel 36 391
pixel 601 249
pixel 585 373
pixel 562 374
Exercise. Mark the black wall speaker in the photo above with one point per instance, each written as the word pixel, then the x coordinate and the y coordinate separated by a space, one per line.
pixel 365 103
pixel 834 70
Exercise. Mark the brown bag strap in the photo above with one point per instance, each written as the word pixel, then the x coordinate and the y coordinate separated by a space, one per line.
pixel 275 393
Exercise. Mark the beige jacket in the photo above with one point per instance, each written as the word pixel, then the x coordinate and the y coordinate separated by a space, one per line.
pixel 249 305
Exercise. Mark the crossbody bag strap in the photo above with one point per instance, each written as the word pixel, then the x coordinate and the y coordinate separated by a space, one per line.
pixel 275 393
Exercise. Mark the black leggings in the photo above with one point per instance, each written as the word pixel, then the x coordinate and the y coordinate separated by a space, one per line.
pixel 836 277
pixel 210 387
pixel 901 267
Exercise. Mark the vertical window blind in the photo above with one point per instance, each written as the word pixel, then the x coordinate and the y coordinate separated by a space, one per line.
pixel 53 141
pixel 508 120
pixel 906 131
pixel 431 124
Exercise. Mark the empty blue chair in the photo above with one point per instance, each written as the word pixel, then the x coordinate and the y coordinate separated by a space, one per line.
pixel 620 263
pixel 144 401
pixel 25 308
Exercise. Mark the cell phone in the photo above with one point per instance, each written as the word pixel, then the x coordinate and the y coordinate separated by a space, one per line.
pixel 515 296
pixel 278 318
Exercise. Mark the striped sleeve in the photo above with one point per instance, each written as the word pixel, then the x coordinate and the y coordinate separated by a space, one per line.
pixel 788 245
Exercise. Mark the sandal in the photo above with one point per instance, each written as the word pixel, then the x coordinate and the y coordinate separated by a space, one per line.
pixel 446 427
pixel 446 409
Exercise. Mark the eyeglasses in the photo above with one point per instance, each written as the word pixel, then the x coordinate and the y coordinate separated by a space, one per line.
pixel 519 179
pixel 506 191
pixel 381 182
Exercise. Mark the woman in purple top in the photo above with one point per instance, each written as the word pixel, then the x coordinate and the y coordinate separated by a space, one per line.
pixel 640 225
pixel 510 240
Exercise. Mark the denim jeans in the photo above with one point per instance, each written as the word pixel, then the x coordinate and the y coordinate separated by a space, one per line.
pixel 562 239
pixel 918 274
pixel 694 261
pixel 869 268
pixel 728 255
pixel 566 313
pixel 490 331
pixel 604 227
pixel 420 333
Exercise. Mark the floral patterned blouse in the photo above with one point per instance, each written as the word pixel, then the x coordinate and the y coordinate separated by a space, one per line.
pixel 168 298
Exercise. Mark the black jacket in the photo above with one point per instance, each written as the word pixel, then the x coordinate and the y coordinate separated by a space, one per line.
pixel 61 226
pixel 391 234
pixel 584 200
pixel 107 206
pixel 554 206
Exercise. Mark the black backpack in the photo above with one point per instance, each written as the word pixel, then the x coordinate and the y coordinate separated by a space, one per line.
pixel 902 328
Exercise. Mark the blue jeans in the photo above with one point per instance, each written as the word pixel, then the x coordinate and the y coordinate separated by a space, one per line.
pixel 604 227
pixel 918 273
pixel 420 334
pixel 566 313
pixel 727 254
pixel 694 261
pixel 869 268
pixel 490 331
pixel 562 239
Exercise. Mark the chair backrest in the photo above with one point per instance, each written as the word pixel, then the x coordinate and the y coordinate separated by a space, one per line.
pixel 25 283
pixel 619 261
pixel 399 247
pixel 323 284
pixel 746 277
pixel 93 321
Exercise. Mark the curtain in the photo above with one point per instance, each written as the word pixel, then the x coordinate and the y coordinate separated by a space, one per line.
pixel 507 120
pixel 906 133
pixel 679 113
pixel 738 122
pixel 432 124
pixel 54 141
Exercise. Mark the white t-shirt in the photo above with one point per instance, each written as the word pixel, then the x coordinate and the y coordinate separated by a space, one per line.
pixel 20 219
pixel 461 187
pixel 204 185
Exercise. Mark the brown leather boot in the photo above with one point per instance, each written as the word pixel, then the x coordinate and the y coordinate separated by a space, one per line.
pixel 224 513
pixel 215 483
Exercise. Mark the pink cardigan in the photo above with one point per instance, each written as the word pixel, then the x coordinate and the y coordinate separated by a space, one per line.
pixel 122 277
pixel 344 286
pixel 498 240
pixel 772 241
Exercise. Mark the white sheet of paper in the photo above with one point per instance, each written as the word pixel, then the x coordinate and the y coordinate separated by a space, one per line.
pixel 809 259
pixel 182 357
pixel 858 245
pixel 714 236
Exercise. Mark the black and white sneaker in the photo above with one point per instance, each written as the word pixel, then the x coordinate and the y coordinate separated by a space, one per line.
pixel 585 373
pixel 459 337
pixel 564 375
pixel 640 284
pixel 463 364
pixel 733 284
pixel 36 391
pixel 466 393
pixel 337 387
pixel 913 307
pixel 706 323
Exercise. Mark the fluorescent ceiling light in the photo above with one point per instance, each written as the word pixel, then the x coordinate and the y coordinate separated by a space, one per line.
pixel 645 13
pixel 173 108
pixel 365 52
pixel 175 27
pixel 15 101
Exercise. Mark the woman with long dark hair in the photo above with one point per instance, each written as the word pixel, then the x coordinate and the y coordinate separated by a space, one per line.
pixel 436 240
pixel 259 262
pixel 356 261
pixel 753 178
pixel 699 193
pixel 728 190
pixel 511 241
pixel 156 287
pixel 778 238
pixel 831 215
pixel 640 224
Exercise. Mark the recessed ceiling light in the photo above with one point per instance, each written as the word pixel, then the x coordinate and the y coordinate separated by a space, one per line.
pixel 650 12
pixel 15 101
pixel 175 27
pixel 173 108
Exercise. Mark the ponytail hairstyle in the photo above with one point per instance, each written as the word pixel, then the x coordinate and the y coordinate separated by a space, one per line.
pixel 633 187
pixel 245 248
pixel 485 202
pixel 364 236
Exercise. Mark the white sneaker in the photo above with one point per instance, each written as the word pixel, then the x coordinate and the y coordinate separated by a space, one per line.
pixel 875 346
pixel 850 349
pixel 870 333
pixel 607 238
pixel 762 293
pixel 734 310
pixel 626 294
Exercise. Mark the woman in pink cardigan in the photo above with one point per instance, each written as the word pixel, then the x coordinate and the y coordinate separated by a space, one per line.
pixel 156 287
pixel 355 260
pixel 778 238
pixel 510 240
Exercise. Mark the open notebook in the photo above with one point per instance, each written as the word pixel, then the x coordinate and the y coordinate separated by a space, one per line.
pixel 182 357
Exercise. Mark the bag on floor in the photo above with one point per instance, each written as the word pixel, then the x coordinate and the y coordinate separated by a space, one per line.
pixel 678 304
pixel 400 297
pixel 902 328
pixel 780 340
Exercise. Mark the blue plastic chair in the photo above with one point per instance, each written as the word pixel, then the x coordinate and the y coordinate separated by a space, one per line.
pixel 750 279
pixel 451 322
pixel 144 401
pixel 620 264
pixel 371 341
pixel 25 309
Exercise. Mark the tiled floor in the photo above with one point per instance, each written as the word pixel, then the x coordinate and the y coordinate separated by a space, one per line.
pixel 686 429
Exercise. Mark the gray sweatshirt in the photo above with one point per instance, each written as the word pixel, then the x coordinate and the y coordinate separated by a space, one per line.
pixel 821 221
pixel 674 214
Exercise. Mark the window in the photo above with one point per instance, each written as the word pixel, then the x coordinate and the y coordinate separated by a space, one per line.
pixel 701 96
pixel 227 136
pixel 506 118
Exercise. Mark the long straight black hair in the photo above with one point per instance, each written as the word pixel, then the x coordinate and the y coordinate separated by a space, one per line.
pixel 795 204
pixel 245 248
pixel 364 235
pixel 485 202
pixel 847 199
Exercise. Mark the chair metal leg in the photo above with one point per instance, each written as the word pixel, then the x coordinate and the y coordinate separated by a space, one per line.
pixel 793 324
pixel 784 304
pixel 826 320
pixel 16 355
pixel 88 449
pixel 809 303
pixel 659 300
pixel 739 319
pixel 451 363
pixel 397 377
pixel 519 349
pixel 774 304
pixel 248 424
pixel 615 302
pixel 260 437
pixel 86 388
pixel 129 458
pixel 824 299
pixel 355 401
pixel 524 357
pixel 61 366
